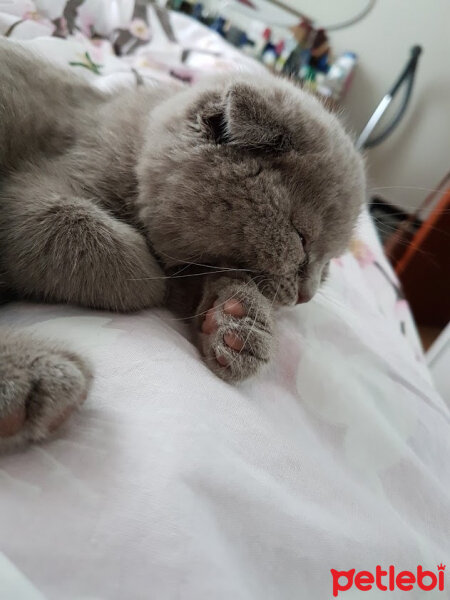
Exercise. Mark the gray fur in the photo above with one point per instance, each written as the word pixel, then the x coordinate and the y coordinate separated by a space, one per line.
pixel 40 381
pixel 256 328
pixel 104 198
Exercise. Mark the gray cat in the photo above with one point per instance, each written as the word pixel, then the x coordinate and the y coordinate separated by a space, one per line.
pixel 221 201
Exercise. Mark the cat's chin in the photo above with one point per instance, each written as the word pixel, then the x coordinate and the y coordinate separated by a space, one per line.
pixel 303 298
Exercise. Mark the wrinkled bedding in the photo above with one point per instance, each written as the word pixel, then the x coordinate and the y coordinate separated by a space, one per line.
pixel 170 483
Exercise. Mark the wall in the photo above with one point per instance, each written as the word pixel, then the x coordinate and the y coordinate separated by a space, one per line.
pixel 417 155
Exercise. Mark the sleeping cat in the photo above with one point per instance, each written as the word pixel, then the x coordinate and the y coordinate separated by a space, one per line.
pixel 221 201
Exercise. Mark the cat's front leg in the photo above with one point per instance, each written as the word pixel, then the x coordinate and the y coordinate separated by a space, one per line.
pixel 235 328
pixel 58 247
pixel 41 383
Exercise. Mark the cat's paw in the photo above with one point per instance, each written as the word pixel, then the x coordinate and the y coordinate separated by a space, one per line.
pixel 38 393
pixel 237 334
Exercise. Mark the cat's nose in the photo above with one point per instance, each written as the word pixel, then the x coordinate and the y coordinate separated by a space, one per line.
pixel 303 297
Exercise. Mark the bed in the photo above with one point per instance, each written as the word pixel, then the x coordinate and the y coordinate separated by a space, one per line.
pixel 170 483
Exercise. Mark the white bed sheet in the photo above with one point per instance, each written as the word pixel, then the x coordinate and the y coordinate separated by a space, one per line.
pixel 172 484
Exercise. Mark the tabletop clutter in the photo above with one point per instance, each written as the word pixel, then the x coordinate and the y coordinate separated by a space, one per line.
pixel 301 52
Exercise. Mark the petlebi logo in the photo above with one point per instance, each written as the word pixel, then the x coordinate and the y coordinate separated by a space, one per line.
pixel 388 580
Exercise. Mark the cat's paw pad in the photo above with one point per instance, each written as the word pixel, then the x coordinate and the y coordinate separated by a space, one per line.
pixel 237 336
pixel 37 398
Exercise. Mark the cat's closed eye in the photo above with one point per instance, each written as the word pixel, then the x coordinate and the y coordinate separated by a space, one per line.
pixel 300 235
pixel 302 267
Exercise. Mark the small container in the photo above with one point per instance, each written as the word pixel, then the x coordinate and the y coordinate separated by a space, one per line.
pixel 339 76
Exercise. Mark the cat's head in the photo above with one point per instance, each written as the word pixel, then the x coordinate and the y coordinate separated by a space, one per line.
pixel 250 173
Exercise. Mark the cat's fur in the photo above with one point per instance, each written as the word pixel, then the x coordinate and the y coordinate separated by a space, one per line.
pixel 104 198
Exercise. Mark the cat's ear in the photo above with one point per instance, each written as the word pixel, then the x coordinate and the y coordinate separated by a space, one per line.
pixel 213 121
pixel 246 117
pixel 254 119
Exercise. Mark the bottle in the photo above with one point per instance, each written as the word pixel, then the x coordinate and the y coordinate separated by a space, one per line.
pixel 271 53
pixel 339 76
pixel 218 25
pixel 262 42
pixel 289 46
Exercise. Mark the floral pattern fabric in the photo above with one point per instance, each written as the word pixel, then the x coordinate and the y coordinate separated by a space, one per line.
pixel 99 31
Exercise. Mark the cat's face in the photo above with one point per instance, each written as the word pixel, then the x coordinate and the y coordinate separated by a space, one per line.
pixel 251 174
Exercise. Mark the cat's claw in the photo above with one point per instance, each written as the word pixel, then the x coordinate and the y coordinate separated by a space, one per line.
pixel 237 335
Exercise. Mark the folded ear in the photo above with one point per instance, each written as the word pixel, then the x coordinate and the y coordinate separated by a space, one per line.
pixel 248 118
pixel 213 122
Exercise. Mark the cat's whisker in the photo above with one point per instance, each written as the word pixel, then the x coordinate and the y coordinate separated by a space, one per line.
pixel 200 314
pixel 404 187
pixel 273 301
pixel 330 297
pixel 247 340
pixel 276 294
pixel 407 216
pixel 197 264
pixel 263 285
pixel 248 334
pixel 182 276
pixel 394 228
pixel 407 244
pixel 183 268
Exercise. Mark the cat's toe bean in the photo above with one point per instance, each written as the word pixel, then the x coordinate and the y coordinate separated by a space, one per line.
pixel 233 341
pixel 222 360
pixel 12 423
pixel 210 323
pixel 234 307
pixel 231 307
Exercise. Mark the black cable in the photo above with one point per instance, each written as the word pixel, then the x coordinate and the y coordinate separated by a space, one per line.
pixel 374 141
pixel 408 76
